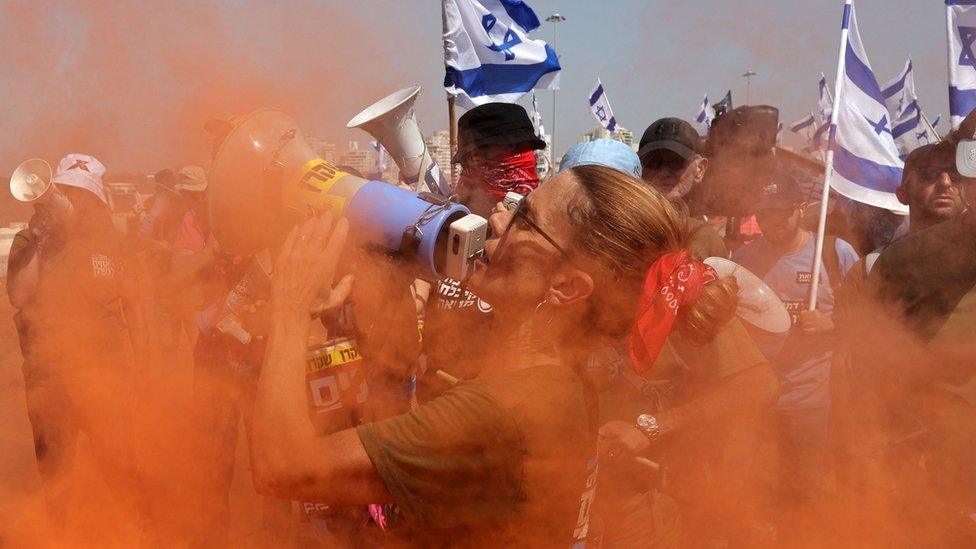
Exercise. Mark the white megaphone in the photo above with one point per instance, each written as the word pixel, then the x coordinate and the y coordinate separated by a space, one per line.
pixel 758 303
pixel 393 124
pixel 31 184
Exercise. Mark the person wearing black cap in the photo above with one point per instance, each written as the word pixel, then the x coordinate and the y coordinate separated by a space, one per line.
pixel 670 152
pixel 782 257
pixel 671 155
pixel 496 151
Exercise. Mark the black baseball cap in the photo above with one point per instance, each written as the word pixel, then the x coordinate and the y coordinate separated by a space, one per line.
pixel 673 134
pixel 781 193
pixel 495 124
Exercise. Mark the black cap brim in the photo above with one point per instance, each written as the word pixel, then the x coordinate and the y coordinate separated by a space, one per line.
pixel 682 150
pixel 511 139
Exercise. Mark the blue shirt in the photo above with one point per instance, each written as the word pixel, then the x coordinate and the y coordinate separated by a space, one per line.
pixel 801 361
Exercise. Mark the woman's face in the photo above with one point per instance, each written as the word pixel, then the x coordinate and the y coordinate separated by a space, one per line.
pixel 520 261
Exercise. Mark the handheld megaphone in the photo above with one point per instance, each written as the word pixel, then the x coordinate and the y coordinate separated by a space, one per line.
pixel 31 183
pixel 393 124
pixel 265 176
pixel 758 303
pixel 966 157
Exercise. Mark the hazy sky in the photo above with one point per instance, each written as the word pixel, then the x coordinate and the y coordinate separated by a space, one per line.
pixel 132 82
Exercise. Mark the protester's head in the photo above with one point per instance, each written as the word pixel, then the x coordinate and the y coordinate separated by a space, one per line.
pixel 930 186
pixel 79 177
pixel 671 154
pixel 780 210
pixel 575 255
pixel 602 152
pixel 496 151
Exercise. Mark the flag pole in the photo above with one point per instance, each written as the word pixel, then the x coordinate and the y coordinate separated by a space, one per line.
pixel 451 113
pixel 452 129
pixel 829 164
pixel 929 125
pixel 952 123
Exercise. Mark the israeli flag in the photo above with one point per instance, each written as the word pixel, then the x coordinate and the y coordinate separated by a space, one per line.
pixel 935 123
pixel 826 101
pixel 540 130
pixel 488 56
pixel 865 159
pixel 806 123
pixel 706 114
pixel 912 131
pixel 899 93
pixel 961 30
pixel 600 107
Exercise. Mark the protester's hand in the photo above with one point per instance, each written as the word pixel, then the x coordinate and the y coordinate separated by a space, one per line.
pixel 814 322
pixel 618 437
pixel 305 270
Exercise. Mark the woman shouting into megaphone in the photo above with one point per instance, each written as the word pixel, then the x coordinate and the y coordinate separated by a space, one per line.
pixel 501 459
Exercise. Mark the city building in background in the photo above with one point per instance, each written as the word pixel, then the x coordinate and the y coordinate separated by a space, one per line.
pixel 439 147
pixel 622 134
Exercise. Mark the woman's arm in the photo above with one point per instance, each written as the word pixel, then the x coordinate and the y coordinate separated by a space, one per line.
pixel 287 458
pixel 744 393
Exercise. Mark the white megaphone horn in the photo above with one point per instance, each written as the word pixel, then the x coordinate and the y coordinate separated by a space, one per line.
pixel 393 124
pixel 758 303
pixel 31 184
pixel 31 180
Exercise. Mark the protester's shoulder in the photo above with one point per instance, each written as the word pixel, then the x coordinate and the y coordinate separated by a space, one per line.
pixel 730 352
pixel 544 382
pixel 846 255
pixel 928 242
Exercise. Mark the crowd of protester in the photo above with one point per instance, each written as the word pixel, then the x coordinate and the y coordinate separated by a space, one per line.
pixel 592 383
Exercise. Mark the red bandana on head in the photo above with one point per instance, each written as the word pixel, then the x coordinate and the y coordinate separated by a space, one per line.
pixel 674 281
pixel 502 174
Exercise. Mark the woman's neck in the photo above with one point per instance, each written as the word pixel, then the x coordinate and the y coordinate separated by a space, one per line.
pixel 520 345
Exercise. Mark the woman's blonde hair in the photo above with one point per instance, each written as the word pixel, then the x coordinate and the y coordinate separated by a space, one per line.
pixel 623 224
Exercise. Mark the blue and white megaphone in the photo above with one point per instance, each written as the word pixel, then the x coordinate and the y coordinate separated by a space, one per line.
pixel 265 176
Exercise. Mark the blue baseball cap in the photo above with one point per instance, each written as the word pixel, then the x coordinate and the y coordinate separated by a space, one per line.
pixel 603 152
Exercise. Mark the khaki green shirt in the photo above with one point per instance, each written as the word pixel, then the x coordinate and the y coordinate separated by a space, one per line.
pixel 497 461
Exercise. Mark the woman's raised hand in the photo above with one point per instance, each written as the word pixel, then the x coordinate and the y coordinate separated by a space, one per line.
pixel 305 269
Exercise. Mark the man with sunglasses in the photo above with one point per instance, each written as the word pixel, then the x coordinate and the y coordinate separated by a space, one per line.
pixel 497 148
pixel 671 155
pixel 913 371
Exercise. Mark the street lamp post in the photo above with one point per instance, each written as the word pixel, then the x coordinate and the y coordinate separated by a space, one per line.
pixel 555 18
pixel 748 76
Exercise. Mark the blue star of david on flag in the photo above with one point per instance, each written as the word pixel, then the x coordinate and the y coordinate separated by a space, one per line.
pixel 600 107
pixel 966 57
pixel 961 22
pixel 880 126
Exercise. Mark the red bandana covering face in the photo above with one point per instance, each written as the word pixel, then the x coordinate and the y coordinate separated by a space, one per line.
pixel 501 174
pixel 673 282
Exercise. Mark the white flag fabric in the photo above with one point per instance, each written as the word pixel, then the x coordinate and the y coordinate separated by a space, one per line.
pixel 488 56
pixel 899 93
pixel 805 127
pixel 705 114
pixel 600 107
pixel 866 164
pixel 912 132
pixel 961 30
